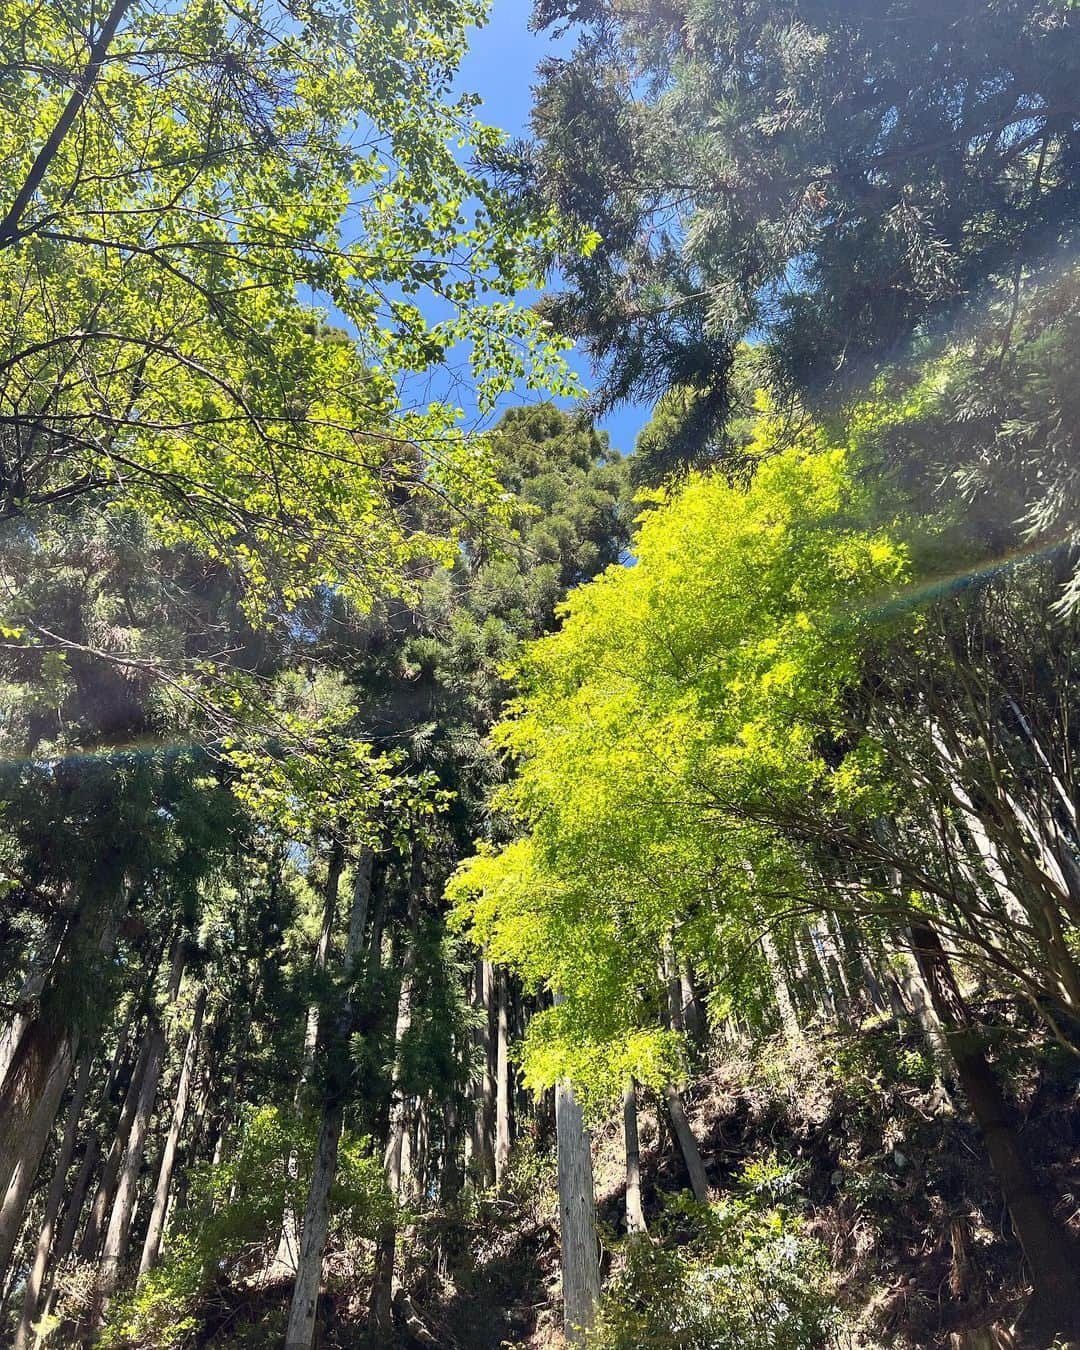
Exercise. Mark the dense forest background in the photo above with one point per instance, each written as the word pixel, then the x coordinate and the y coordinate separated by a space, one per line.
pixel 465 884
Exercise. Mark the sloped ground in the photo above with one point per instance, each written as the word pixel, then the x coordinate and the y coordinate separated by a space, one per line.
pixel 893 1182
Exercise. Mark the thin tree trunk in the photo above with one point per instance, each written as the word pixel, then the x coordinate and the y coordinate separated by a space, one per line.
pixel 286 1256
pixel 32 987
pixel 66 1241
pixel 305 1300
pixel 382 1289
pixel 450 1176
pixel 53 1201
pixel 789 1018
pixel 635 1214
pixel 91 1237
pixel 502 1083
pixel 35 1138
pixel 693 1011
pixel 1048 1249
pixel 481 1133
pixel 9 226
pixel 699 1181
pixel 156 1227
pixel 577 1218
pixel 673 985
pixel 118 1233
pixel 42 1062
pixel 918 997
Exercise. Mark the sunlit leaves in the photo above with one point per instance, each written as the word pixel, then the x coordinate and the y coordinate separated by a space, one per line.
pixel 685 701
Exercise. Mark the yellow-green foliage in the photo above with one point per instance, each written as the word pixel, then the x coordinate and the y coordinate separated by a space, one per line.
pixel 684 699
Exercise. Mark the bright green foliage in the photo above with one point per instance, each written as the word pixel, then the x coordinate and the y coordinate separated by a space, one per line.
pixel 682 704
pixel 284 782
pixel 740 1275
pixel 168 252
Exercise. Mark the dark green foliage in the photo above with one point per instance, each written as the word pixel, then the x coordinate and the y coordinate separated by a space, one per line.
pixel 836 178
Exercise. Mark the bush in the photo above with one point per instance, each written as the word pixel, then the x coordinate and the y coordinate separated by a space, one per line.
pixel 231 1225
pixel 739 1275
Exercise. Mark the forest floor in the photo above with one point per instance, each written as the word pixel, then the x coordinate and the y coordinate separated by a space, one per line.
pixel 892 1181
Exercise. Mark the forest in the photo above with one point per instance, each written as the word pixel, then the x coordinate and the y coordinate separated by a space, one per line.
pixel 468 883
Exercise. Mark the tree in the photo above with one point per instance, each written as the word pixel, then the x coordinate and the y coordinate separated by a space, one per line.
pixel 835 178
pixel 209 168
pixel 713 747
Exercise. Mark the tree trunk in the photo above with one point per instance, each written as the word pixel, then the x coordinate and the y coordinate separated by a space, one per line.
pixel 635 1214
pixel 1047 1247
pixel 382 1289
pixel 693 1011
pixel 53 1201
pixel 286 1256
pixel 789 1018
pixel 673 985
pixel 33 986
pixel 118 1233
pixel 450 1176
pixel 42 1061
pixel 88 1245
pixel 699 1181
pixel 502 1083
pixel 305 1300
pixel 156 1227
pixel 115 1248
pixel 577 1218
pixel 918 997
pixel 66 1241
pixel 34 1137
pixel 481 1134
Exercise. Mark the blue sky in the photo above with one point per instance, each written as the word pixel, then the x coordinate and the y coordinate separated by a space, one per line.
pixel 500 67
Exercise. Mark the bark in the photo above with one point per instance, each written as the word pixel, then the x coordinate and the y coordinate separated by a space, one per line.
pixel 88 1245
pixel 53 1200
pixel 699 1181
pixel 693 1010
pixel 382 1290
pixel 117 1235
pixel 918 998
pixel 673 985
pixel 450 1179
pixel 577 1218
pixel 789 1018
pixel 34 1139
pixel 502 1083
pixel 481 1134
pixel 42 1062
pixel 33 986
pixel 66 1241
pixel 285 1257
pixel 305 1299
pixel 1047 1247
pixel 635 1214
pixel 156 1228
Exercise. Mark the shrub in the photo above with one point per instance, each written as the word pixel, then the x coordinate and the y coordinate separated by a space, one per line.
pixel 738 1275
